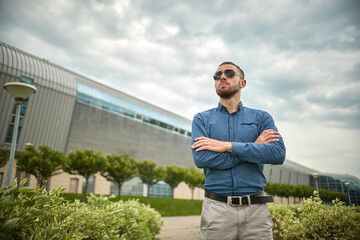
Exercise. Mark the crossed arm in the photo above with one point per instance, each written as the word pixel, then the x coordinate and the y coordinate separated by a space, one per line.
pixel 268 148
pixel 205 143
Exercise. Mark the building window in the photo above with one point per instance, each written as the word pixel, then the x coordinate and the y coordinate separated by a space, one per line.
pixel 26 80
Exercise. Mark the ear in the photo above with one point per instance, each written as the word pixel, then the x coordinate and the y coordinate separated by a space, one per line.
pixel 242 83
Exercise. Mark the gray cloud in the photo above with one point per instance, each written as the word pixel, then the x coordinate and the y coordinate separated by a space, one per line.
pixel 301 58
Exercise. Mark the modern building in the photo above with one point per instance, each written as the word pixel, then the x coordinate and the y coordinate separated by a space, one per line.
pixel 71 111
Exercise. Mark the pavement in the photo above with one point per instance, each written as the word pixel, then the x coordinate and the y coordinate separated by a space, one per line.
pixel 180 228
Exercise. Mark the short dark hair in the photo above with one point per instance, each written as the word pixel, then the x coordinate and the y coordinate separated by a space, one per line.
pixel 231 63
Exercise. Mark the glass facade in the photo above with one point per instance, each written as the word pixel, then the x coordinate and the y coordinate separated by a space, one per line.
pixel 337 183
pixel 135 187
pixel 161 189
pixel 106 101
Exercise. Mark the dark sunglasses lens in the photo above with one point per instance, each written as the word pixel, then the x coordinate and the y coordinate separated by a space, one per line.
pixel 217 75
pixel 229 73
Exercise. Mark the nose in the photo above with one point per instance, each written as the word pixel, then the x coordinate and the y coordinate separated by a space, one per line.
pixel 223 76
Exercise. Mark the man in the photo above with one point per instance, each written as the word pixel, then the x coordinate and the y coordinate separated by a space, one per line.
pixel 232 143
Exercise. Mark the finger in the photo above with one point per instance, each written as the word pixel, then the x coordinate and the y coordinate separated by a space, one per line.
pixel 200 138
pixel 200 143
pixel 271 133
pixel 267 134
pixel 198 149
pixel 272 140
pixel 272 136
pixel 196 145
pixel 201 148
pixel 267 131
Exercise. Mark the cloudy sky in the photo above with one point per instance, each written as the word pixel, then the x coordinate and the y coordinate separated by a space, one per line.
pixel 301 59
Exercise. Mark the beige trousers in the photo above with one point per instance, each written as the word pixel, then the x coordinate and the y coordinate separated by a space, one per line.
pixel 222 222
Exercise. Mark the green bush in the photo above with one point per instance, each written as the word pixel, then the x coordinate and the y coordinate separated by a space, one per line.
pixel 313 220
pixel 280 214
pixel 36 214
pixel 21 212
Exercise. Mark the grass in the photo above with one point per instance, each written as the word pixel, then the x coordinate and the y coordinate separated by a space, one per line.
pixel 182 207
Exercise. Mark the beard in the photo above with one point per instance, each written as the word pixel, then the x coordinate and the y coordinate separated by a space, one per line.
pixel 226 94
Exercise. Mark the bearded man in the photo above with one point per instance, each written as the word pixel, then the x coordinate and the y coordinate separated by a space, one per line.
pixel 232 143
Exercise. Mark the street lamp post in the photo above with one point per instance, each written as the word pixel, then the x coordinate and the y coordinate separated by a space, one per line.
pixel 316 176
pixel 347 184
pixel 19 91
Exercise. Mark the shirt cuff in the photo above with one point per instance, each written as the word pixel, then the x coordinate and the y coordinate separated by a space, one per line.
pixel 238 149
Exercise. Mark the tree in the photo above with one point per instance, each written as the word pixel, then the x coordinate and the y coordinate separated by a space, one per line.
pixel 194 178
pixel 174 176
pixel 150 175
pixel 85 163
pixel 4 157
pixel 119 169
pixel 43 164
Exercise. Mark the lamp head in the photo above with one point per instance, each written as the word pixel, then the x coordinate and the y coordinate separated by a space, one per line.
pixel 19 91
pixel 315 175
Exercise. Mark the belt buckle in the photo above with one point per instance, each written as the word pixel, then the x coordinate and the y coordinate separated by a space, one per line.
pixel 230 198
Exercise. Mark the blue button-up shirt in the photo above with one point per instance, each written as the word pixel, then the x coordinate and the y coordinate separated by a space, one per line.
pixel 239 172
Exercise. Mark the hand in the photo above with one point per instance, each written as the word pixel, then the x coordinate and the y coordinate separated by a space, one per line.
pixel 268 136
pixel 204 143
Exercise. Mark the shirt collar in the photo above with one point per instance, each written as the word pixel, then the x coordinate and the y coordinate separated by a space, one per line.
pixel 222 108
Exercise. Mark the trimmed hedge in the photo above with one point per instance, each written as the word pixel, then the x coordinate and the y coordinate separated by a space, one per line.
pixel 301 191
pixel 27 213
pixel 182 207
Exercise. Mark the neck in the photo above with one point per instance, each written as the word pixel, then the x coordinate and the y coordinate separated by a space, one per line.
pixel 232 103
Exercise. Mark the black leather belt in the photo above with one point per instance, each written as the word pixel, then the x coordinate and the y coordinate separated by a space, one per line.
pixel 256 198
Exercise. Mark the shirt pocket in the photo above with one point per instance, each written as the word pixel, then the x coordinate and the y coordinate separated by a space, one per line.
pixel 247 132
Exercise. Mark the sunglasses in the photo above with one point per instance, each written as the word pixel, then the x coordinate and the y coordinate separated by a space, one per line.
pixel 227 72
